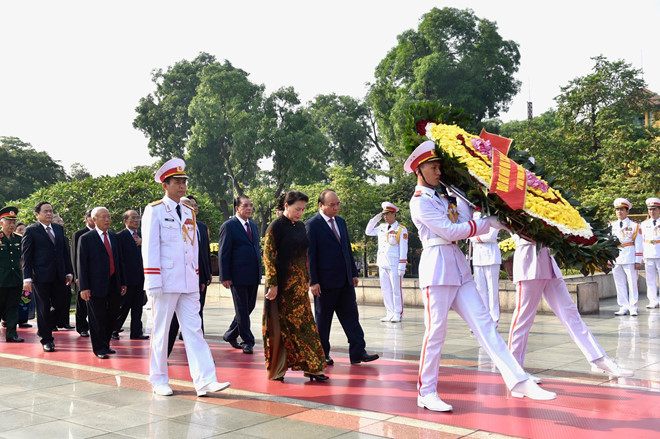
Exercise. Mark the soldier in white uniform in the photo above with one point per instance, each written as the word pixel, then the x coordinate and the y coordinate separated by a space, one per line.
pixel 486 260
pixel 536 275
pixel 446 282
pixel 391 259
pixel 629 259
pixel 170 254
pixel 651 235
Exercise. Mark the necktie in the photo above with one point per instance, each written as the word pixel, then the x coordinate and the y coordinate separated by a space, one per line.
pixel 109 250
pixel 389 226
pixel 135 235
pixel 621 224
pixel 50 234
pixel 334 229
pixel 654 222
pixel 249 230
pixel 178 210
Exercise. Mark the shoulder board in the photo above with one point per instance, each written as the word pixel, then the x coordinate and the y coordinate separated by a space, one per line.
pixel 18 234
pixel 155 203
pixel 418 193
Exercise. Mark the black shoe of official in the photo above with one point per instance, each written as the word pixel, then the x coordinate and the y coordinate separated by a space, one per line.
pixel 66 326
pixel 140 337
pixel 111 351
pixel 115 336
pixel 233 342
pixel 247 349
pixel 49 347
pixel 329 361
pixel 15 339
pixel 102 356
pixel 365 358
pixel 24 325
pixel 84 333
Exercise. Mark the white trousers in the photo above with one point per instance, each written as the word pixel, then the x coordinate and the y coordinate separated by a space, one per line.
pixel 625 278
pixel 390 286
pixel 528 296
pixel 487 278
pixel 466 302
pixel 652 266
pixel 200 360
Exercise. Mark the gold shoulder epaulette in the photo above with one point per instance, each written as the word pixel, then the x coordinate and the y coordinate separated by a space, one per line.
pixel 155 203
pixel 187 205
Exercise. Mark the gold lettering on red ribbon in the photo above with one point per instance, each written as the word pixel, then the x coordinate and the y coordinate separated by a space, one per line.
pixel 508 181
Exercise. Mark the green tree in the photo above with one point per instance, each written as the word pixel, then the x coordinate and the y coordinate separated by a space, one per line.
pixel 163 115
pixel 224 149
pixel 78 171
pixel 454 58
pixel 346 123
pixel 26 169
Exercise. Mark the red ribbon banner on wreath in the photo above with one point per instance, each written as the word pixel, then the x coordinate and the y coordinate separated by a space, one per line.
pixel 508 181
pixel 497 142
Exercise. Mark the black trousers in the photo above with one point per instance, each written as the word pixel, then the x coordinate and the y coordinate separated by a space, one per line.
pixel 102 314
pixel 9 297
pixel 245 298
pixel 63 315
pixel 50 300
pixel 174 325
pixel 342 302
pixel 131 302
pixel 81 313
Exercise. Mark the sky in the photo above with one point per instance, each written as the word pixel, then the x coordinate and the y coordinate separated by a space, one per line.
pixel 72 72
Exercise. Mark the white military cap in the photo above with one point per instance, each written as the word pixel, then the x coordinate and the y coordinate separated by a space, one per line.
pixel 423 153
pixel 652 202
pixel 172 168
pixel 622 202
pixel 389 207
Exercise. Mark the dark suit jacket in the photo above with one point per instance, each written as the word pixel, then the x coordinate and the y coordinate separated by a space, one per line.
pixel 43 261
pixel 331 264
pixel 205 274
pixel 131 256
pixel 94 264
pixel 74 249
pixel 240 259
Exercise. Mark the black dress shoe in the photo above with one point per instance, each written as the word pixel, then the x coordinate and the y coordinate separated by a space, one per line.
pixel 365 358
pixel 15 339
pixel 111 351
pixel 234 343
pixel 247 349
pixel 67 326
pixel 24 325
pixel 329 361
pixel 102 356
pixel 140 337
pixel 319 378
pixel 84 333
pixel 49 347
pixel 115 336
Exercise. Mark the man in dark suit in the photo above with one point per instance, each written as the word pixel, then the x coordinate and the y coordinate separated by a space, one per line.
pixel 333 278
pixel 205 274
pixel 81 306
pixel 130 243
pixel 46 269
pixel 240 270
pixel 100 272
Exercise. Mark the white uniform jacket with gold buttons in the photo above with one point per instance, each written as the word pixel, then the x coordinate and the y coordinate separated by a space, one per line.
pixel 170 248
pixel 630 236
pixel 392 243
pixel 651 237
pixel 440 225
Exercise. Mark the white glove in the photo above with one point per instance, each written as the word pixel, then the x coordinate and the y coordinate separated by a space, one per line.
pixel 154 292
pixel 495 223
pixel 402 272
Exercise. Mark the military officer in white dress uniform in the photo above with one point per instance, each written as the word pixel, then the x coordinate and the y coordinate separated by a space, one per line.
pixel 446 282
pixel 391 259
pixel 629 259
pixel 170 254
pixel 651 249
pixel 486 260
pixel 536 275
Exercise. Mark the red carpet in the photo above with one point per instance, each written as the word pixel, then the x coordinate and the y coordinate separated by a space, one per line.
pixel 479 398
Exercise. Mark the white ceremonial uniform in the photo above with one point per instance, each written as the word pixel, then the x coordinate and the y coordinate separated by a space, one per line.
pixel 486 260
pixel 624 272
pixel 446 282
pixel 650 230
pixel 537 275
pixel 391 260
pixel 170 254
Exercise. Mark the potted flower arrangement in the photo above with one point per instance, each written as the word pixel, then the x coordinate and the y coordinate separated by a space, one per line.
pixel 507 248
pixel 489 173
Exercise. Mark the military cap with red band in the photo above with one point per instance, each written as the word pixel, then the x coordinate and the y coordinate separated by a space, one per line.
pixel 172 168
pixel 9 212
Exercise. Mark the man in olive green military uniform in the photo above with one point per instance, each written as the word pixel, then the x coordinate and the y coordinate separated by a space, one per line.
pixel 11 278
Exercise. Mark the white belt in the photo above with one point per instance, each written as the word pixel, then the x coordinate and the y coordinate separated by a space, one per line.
pixel 432 242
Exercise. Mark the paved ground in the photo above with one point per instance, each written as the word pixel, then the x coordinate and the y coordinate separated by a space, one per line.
pixel 42 396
